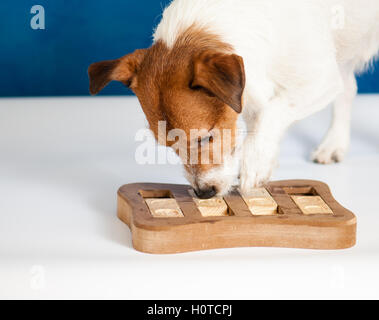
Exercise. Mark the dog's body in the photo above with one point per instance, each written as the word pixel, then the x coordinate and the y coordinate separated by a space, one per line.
pixel 298 56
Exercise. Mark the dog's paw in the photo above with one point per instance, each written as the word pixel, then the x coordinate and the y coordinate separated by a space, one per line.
pixel 251 178
pixel 328 153
pixel 258 161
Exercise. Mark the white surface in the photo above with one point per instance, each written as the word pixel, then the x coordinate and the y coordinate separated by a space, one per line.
pixel 61 163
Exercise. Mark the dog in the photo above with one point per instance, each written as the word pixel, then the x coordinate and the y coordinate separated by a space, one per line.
pixel 269 62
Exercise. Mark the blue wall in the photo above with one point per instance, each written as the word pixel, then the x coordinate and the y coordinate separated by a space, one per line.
pixel 54 61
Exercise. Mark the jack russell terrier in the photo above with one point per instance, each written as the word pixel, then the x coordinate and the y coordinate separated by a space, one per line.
pixel 273 62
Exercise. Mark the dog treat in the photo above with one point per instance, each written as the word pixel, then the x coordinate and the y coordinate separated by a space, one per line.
pixel 312 205
pixel 214 207
pixel 164 208
pixel 260 202
pixel 166 218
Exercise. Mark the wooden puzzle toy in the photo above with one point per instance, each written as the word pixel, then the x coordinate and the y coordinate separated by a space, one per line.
pixel 166 218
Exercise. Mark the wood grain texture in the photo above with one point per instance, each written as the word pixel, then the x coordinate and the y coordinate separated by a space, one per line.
pixel 312 205
pixel 288 228
pixel 214 207
pixel 164 208
pixel 260 202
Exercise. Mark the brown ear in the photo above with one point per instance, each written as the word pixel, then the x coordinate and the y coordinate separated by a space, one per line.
pixel 221 74
pixel 124 70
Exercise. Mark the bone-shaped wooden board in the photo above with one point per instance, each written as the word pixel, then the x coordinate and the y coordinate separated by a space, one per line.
pixel 165 218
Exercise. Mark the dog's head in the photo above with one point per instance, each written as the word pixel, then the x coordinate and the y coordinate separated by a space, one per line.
pixel 189 87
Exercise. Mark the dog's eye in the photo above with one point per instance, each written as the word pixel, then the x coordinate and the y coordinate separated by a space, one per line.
pixel 205 140
pixel 195 88
pixel 202 89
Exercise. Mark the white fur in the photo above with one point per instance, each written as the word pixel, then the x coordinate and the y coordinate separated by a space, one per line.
pixel 297 61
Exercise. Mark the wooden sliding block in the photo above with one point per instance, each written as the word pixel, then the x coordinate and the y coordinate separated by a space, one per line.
pixel 260 202
pixel 164 208
pixel 312 205
pixel 214 207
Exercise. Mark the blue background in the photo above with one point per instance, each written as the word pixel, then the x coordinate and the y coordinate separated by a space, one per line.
pixel 54 61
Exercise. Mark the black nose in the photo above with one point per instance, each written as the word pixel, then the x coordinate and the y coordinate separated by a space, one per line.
pixel 206 193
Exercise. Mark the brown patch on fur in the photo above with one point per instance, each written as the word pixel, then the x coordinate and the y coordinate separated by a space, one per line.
pixel 196 84
pixel 124 70
pixel 221 74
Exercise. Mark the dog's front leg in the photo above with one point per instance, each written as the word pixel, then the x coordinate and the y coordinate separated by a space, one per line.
pixel 261 146
pixel 336 143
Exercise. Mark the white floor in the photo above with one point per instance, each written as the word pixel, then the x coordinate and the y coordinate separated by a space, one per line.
pixel 61 163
